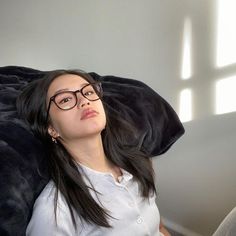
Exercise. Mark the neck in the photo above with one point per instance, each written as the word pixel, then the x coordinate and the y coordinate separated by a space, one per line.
pixel 89 151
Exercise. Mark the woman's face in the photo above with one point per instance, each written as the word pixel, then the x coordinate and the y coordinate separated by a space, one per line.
pixel 85 119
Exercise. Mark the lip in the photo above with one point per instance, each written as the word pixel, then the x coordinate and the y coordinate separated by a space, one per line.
pixel 87 113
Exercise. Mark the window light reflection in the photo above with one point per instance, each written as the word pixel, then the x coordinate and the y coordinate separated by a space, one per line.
pixel 225 95
pixel 226 33
pixel 186 71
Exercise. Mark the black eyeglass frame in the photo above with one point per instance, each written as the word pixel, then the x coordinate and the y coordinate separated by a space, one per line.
pixel 99 93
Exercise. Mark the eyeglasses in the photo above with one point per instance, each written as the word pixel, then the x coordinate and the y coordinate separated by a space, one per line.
pixel 68 99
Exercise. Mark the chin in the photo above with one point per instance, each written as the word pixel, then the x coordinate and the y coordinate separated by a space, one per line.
pixel 93 130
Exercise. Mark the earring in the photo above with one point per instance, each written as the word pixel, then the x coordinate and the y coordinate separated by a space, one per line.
pixel 54 140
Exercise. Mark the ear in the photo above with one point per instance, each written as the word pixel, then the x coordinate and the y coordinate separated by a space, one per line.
pixel 52 132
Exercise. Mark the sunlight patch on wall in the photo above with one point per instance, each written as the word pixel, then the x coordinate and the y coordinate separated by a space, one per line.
pixel 226 33
pixel 185 109
pixel 186 71
pixel 225 95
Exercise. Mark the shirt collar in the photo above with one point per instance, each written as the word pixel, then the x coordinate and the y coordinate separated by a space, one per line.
pixel 126 176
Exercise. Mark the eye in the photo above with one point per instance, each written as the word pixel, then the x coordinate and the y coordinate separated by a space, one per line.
pixel 65 100
pixel 88 93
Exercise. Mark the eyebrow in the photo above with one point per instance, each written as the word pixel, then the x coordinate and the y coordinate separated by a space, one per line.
pixel 66 89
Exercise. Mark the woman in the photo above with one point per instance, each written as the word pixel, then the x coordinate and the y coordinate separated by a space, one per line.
pixel 99 184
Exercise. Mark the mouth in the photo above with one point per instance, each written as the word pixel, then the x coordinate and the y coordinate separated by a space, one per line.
pixel 88 113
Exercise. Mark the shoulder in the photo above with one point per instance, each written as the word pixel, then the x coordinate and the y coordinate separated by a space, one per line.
pixel 43 220
pixel 46 199
pixel 48 191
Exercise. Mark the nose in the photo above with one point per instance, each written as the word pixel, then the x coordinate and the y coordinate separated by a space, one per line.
pixel 82 101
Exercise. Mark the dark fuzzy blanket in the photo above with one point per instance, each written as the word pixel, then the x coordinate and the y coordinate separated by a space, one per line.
pixel 23 169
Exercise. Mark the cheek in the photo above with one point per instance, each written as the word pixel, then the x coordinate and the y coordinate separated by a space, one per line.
pixel 68 122
pixel 69 125
pixel 62 120
pixel 102 112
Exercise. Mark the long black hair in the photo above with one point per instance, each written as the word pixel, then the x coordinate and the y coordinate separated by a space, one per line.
pixel 32 106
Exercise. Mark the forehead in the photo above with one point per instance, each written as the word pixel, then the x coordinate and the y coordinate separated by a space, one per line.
pixel 68 81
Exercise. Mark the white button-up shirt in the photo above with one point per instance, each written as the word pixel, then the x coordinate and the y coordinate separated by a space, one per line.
pixel 132 214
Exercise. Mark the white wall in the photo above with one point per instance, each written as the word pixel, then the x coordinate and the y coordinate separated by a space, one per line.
pixel 142 40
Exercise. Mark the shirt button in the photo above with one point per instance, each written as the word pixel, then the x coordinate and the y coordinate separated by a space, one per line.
pixel 139 220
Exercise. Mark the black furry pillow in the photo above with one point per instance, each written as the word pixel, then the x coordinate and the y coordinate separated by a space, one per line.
pixel 23 169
